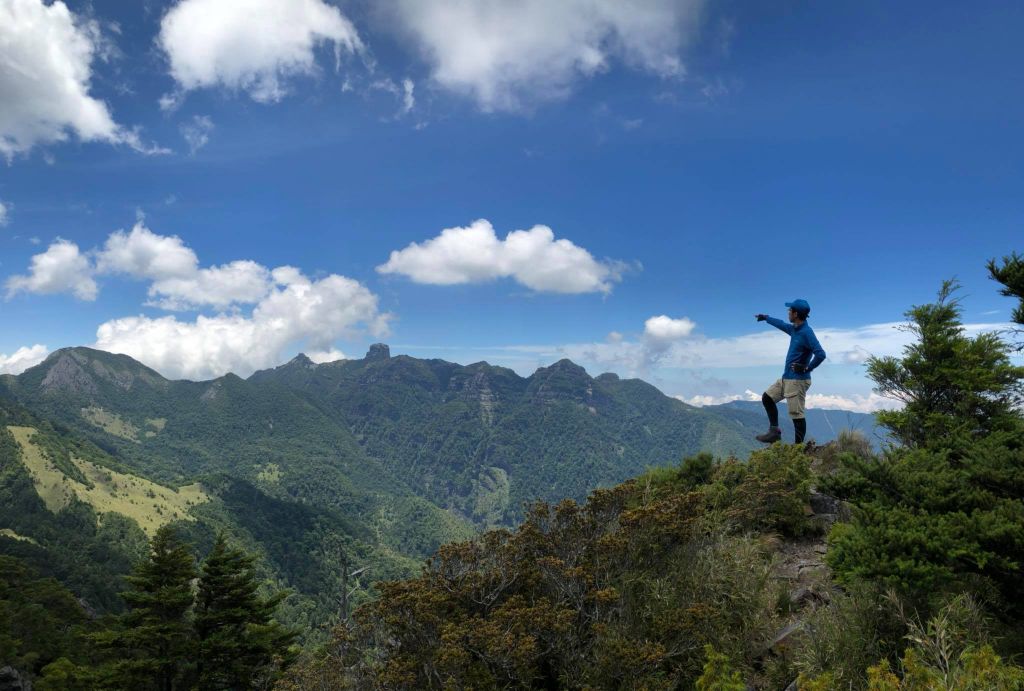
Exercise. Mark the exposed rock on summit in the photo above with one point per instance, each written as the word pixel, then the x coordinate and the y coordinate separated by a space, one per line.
pixel 378 351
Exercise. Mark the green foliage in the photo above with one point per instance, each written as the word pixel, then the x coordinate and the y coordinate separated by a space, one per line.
pixel 949 652
pixel 154 645
pixel 718 674
pixel 929 522
pixel 1011 275
pixel 842 639
pixel 945 512
pixel 768 493
pixel 64 675
pixel 954 386
pixel 381 459
pixel 220 637
pixel 40 621
pixel 693 471
pixel 238 642
pixel 87 553
pixel 624 591
pixel 847 442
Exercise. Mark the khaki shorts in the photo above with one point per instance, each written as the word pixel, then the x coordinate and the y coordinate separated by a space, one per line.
pixel 795 393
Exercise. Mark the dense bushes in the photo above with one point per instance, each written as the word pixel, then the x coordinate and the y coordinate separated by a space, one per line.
pixel 950 652
pixel 40 621
pixel 623 591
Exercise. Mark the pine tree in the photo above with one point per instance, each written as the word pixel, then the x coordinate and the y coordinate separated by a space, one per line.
pixel 952 385
pixel 942 513
pixel 154 643
pixel 239 643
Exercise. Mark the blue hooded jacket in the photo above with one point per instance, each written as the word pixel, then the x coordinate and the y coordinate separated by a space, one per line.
pixel 803 348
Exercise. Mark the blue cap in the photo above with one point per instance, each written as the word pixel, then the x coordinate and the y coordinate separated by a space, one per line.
pixel 800 306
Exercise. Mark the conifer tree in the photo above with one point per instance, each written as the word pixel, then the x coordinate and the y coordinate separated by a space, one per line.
pixel 941 513
pixel 154 642
pixel 951 384
pixel 239 643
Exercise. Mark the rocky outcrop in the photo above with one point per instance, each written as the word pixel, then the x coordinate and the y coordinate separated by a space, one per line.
pixel 562 381
pixel 84 371
pixel 378 351
pixel 67 375
pixel 477 389
pixel 301 361
pixel 211 392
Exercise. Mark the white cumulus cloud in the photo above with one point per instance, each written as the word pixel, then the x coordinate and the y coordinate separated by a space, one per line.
pixel 532 257
pixel 298 312
pixel 141 253
pixel 509 55
pixel 661 331
pixel 62 268
pixel 46 57
pixel 857 403
pixel 250 45
pixel 23 358
pixel 321 356
pixel 177 281
pixel 701 400
pixel 242 282
pixel 4 214
pixel 289 310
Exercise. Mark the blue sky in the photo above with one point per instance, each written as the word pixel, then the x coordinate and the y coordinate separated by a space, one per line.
pixel 694 160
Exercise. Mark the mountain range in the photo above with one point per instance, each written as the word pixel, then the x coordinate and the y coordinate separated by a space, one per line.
pixel 375 461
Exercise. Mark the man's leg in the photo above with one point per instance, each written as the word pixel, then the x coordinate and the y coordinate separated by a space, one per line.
pixel 770 397
pixel 796 397
pixel 771 409
pixel 799 429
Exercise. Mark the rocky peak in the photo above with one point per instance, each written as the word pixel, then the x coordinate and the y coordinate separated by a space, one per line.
pixel 562 381
pixel 301 360
pixel 85 370
pixel 66 373
pixel 567 366
pixel 378 351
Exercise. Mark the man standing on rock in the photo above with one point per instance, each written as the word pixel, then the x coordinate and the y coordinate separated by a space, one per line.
pixel 805 353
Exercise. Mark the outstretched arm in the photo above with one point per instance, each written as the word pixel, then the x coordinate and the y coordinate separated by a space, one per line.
pixel 777 323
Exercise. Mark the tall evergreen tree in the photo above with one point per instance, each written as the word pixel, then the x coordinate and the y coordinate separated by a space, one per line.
pixel 951 384
pixel 154 642
pixel 239 643
pixel 943 512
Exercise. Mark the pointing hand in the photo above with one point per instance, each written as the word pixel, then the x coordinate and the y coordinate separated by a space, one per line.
pixel 760 317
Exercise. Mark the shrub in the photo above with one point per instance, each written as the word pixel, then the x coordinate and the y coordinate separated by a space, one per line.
pixel 623 591
pixel 847 443
pixel 770 492
pixel 718 674
pixel 841 640
pixel 948 653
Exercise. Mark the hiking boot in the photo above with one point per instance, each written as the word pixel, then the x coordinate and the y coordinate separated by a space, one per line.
pixel 773 435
